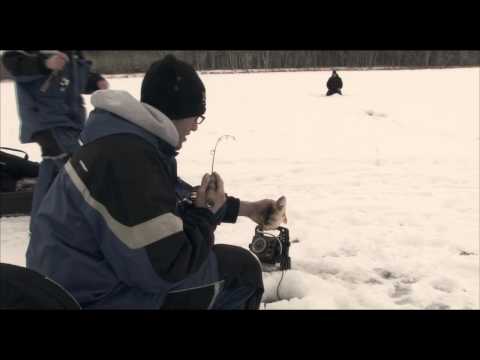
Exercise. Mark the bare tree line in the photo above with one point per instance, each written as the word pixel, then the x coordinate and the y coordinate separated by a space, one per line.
pixel 138 61
pixel 128 61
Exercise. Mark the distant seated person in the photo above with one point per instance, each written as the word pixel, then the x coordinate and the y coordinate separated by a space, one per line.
pixel 334 84
pixel 16 173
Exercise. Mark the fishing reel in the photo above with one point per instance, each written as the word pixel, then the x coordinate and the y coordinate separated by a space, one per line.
pixel 272 249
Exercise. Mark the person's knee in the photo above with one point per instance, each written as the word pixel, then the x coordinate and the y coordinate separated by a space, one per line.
pixel 239 263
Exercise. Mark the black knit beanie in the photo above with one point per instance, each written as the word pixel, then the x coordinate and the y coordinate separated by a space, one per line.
pixel 174 87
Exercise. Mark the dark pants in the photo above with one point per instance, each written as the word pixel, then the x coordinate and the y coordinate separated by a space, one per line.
pixel 335 91
pixel 239 284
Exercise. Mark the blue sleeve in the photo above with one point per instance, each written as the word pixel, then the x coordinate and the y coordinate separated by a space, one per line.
pixel 24 65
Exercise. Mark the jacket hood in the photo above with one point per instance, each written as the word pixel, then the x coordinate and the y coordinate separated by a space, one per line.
pixel 123 104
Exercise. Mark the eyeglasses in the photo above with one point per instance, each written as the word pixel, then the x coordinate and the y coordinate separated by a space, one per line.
pixel 200 119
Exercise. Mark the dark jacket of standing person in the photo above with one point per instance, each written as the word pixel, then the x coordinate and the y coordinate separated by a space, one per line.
pixel 49 99
pixel 334 84
pixel 49 86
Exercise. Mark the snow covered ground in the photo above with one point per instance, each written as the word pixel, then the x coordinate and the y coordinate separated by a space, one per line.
pixel 382 183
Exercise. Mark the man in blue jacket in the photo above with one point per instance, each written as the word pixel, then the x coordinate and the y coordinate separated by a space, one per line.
pixel 49 85
pixel 118 228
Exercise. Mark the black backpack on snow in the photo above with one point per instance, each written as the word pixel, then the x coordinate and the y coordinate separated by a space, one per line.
pixel 25 289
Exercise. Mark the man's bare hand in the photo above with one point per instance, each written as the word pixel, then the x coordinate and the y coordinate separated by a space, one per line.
pixel 268 213
pixel 211 193
pixel 215 192
pixel 56 62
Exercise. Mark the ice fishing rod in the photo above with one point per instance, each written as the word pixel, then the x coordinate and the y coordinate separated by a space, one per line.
pixel 212 184
pixel 47 82
pixel 214 151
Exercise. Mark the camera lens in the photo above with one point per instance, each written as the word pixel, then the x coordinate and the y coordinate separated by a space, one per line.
pixel 259 245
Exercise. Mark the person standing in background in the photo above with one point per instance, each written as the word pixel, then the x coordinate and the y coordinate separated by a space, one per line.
pixel 334 84
pixel 49 86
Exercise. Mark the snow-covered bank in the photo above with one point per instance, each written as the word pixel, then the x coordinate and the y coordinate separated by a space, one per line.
pixel 382 183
